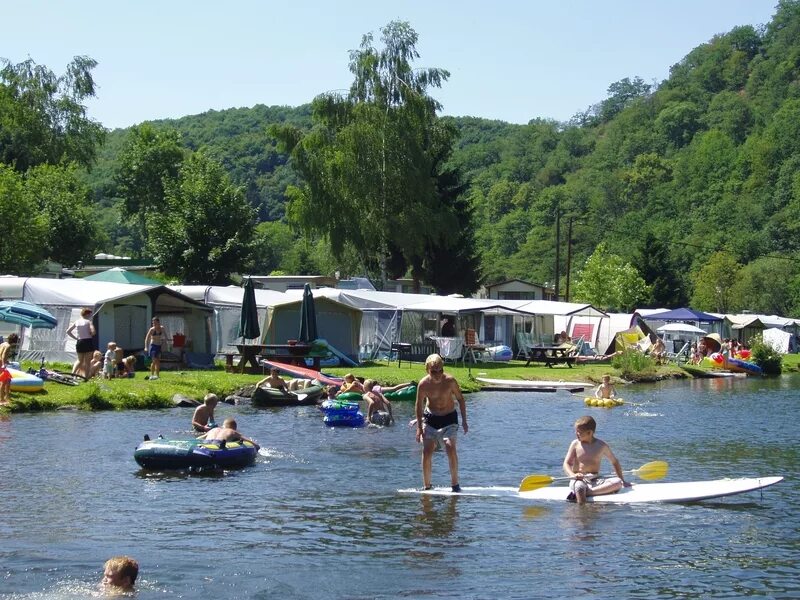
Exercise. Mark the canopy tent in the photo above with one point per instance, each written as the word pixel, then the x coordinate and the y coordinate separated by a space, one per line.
pixel 682 314
pixel 122 313
pixel 680 328
pixel 120 275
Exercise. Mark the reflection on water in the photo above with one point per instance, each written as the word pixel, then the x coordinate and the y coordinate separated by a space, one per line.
pixel 318 514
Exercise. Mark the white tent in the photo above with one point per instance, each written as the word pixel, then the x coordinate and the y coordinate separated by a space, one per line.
pixel 781 341
pixel 122 314
pixel 227 304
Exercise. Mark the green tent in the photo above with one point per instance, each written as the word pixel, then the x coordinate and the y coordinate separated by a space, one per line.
pixel 120 275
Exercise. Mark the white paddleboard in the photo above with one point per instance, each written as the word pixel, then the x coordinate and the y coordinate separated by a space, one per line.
pixel 684 491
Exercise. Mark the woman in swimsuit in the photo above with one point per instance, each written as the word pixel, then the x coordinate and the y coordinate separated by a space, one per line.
pixel 152 346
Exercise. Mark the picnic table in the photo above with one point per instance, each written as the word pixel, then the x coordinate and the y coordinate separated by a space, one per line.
pixel 551 355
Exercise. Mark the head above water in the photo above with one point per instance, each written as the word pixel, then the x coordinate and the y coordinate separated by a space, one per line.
pixel 369 384
pixel 210 399
pixel 120 571
pixel 434 364
pixel 230 423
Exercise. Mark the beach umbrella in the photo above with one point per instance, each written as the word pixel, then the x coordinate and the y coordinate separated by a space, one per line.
pixel 24 313
pixel 248 323
pixel 713 342
pixel 308 317
pixel 679 328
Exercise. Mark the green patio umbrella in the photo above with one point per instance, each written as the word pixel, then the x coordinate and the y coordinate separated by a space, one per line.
pixel 308 317
pixel 120 275
pixel 248 324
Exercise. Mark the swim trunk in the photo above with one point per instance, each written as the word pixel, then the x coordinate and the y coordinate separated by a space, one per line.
pixel 5 375
pixel 440 427
pixel 381 417
pixel 84 345
pixel 155 351
pixel 588 485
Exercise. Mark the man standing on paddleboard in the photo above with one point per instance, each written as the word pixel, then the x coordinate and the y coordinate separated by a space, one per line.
pixel 437 419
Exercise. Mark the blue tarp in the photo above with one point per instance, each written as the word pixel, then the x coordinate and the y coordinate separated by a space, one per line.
pixel 683 314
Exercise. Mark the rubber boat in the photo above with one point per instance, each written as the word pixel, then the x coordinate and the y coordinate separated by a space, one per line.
pixel 408 393
pixel 523 385
pixel 741 366
pixel 264 396
pixel 25 382
pixel 167 455
pixel 603 402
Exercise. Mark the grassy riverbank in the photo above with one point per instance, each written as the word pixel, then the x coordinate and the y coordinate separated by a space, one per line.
pixel 138 393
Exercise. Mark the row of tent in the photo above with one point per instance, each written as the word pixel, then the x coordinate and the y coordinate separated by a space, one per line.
pixel 360 324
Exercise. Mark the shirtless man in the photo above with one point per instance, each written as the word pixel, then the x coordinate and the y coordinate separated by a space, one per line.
pixel 379 409
pixel 152 347
pixel 605 389
pixel 203 418
pixel 582 464
pixel 273 380
pixel 437 419
pixel 226 433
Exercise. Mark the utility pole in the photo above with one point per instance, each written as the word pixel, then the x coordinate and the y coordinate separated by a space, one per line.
pixel 569 256
pixel 558 247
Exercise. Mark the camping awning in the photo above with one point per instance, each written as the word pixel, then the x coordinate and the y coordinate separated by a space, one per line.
pixel 567 309
pixel 683 314
pixel 462 306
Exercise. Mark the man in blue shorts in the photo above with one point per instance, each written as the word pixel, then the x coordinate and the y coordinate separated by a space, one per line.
pixel 152 346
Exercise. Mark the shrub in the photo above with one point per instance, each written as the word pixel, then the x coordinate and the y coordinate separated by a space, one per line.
pixel 631 362
pixel 765 356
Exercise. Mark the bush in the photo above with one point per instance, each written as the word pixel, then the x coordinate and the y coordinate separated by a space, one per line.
pixel 765 356
pixel 631 362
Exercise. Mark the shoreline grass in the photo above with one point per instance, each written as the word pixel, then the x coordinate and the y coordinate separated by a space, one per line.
pixel 139 393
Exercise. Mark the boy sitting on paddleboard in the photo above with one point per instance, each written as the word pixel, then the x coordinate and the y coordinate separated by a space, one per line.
pixel 582 464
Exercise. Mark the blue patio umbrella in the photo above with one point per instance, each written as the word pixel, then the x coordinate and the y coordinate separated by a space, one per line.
pixel 248 323
pixel 24 313
pixel 308 317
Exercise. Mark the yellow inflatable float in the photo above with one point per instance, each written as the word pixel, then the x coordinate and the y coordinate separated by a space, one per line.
pixel 603 402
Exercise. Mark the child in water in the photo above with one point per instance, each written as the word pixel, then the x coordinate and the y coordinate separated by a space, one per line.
pixel 120 572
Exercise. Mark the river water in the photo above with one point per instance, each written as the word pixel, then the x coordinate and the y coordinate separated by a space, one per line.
pixel 319 514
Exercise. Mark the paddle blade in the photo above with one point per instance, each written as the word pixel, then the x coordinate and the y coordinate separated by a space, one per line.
pixel 534 482
pixel 653 470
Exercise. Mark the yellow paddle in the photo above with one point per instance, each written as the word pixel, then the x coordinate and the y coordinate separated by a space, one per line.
pixel 649 471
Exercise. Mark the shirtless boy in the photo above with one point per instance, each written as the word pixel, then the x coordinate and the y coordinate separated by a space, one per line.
pixel 605 389
pixel 152 347
pixel 203 418
pixel 582 464
pixel 379 409
pixel 120 572
pixel 273 380
pixel 226 433
pixel 351 384
pixel 437 419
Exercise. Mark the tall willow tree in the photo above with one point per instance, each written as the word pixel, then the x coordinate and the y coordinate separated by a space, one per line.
pixel 369 163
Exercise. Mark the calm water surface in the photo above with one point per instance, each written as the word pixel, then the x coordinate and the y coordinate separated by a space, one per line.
pixel 319 515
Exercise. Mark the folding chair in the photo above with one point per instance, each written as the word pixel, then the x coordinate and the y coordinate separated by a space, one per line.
pixel 473 348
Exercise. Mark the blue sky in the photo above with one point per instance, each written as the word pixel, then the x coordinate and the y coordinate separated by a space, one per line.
pixel 509 60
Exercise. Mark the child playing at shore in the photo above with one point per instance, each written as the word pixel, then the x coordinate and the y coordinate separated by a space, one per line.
pixel 605 389
pixel 351 384
pixel 582 464
pixel 273 380
pixel 120 572
pixel 110 362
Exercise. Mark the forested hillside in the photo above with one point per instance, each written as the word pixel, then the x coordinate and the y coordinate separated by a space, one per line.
pixel 694 183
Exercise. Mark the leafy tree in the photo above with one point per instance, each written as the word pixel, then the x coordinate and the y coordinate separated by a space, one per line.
pixel 620 95
pixel 715 284
pixel 609 283
pixel 24 241
pixel 205 230
pixel 766 286
pixel 42 116
pixel 149 161
pixel 658 272
pixel 63 201
pixel 369 164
